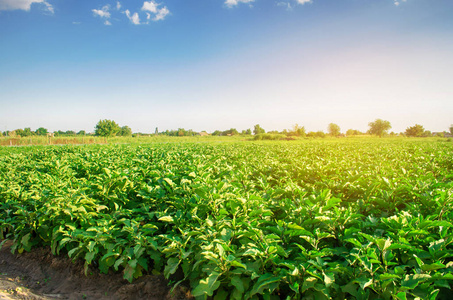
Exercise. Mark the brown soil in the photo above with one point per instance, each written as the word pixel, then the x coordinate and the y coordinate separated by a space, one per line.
pixel 39 275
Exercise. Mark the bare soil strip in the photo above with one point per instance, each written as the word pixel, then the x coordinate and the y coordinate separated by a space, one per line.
pixel 39 275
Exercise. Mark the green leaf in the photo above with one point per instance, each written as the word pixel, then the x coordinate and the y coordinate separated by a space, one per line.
pixel 170 182
pixel 387 276
pixel 171 267
pixel 132 263
pixel 433 294
pixel 107 172
pixel 364 282
pixel 105 263
pixel 263 283
pixel 309 283
pixel 235 263
pixel 412 281
pixel 129 273
pixel 138 251
pixel 331 203
pixel 71 253
pixel 25 241
pixel 329 279
pixel 168 219
pixel 89 256
pixel 236 281
pixel 432 267
pixel 118 262
pixel 351 288
pixel 221 295
pixel 207 286
pixel 295 287
pixel 383 244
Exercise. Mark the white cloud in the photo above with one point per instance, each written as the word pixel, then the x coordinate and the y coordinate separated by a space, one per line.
pixel 23 4
pixel 285 4
pixel 231 3
pixel 118 5
pixel 303 1
pixel 49 7
pixel 103 13
pixel 150 6
pixel 163 12
pixel 397 2
pixel 153 7
pixel 134 18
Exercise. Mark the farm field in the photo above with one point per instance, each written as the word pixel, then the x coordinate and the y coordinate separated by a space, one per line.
pixel 362 218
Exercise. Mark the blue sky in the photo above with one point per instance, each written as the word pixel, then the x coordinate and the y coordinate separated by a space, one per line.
pixel 216 64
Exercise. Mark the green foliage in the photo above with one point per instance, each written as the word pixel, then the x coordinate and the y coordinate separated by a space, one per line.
pixel 106 128
pixel 228 132
pixel 258 130
pixel 26 132
pixel 61 133
pixel 351 132
pixel 41 131
pixel 125 131
pixel 316 219
pixel 415 131
pixel 379 127
pixel 270 137
pixel 297 131
pixel 333 129
pixel 317 134
pixel 179 132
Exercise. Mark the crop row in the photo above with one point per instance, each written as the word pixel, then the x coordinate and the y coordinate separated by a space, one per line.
pixel 313 220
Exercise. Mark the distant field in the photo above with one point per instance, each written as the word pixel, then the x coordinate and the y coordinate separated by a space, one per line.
pixel 315 219
pixel 81 140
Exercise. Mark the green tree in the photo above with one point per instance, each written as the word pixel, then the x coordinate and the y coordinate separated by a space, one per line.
pixel 427 133
pixel 231 131
pixel 27 132
pixel 181 132
pixel 353 132
pixel 320 133
pixel 415 131
pixel 257 129
pixel 451 129
pixel 298 130
pixel 334 129
pixel 81 132
pixel 19 132
pixel 379 127
pixel 125 131
pixel 106 128
pixel 41 131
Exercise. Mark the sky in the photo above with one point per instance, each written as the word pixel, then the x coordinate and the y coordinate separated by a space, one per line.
pixel 221 64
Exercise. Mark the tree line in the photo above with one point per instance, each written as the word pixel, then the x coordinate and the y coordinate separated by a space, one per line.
pixel 109 128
